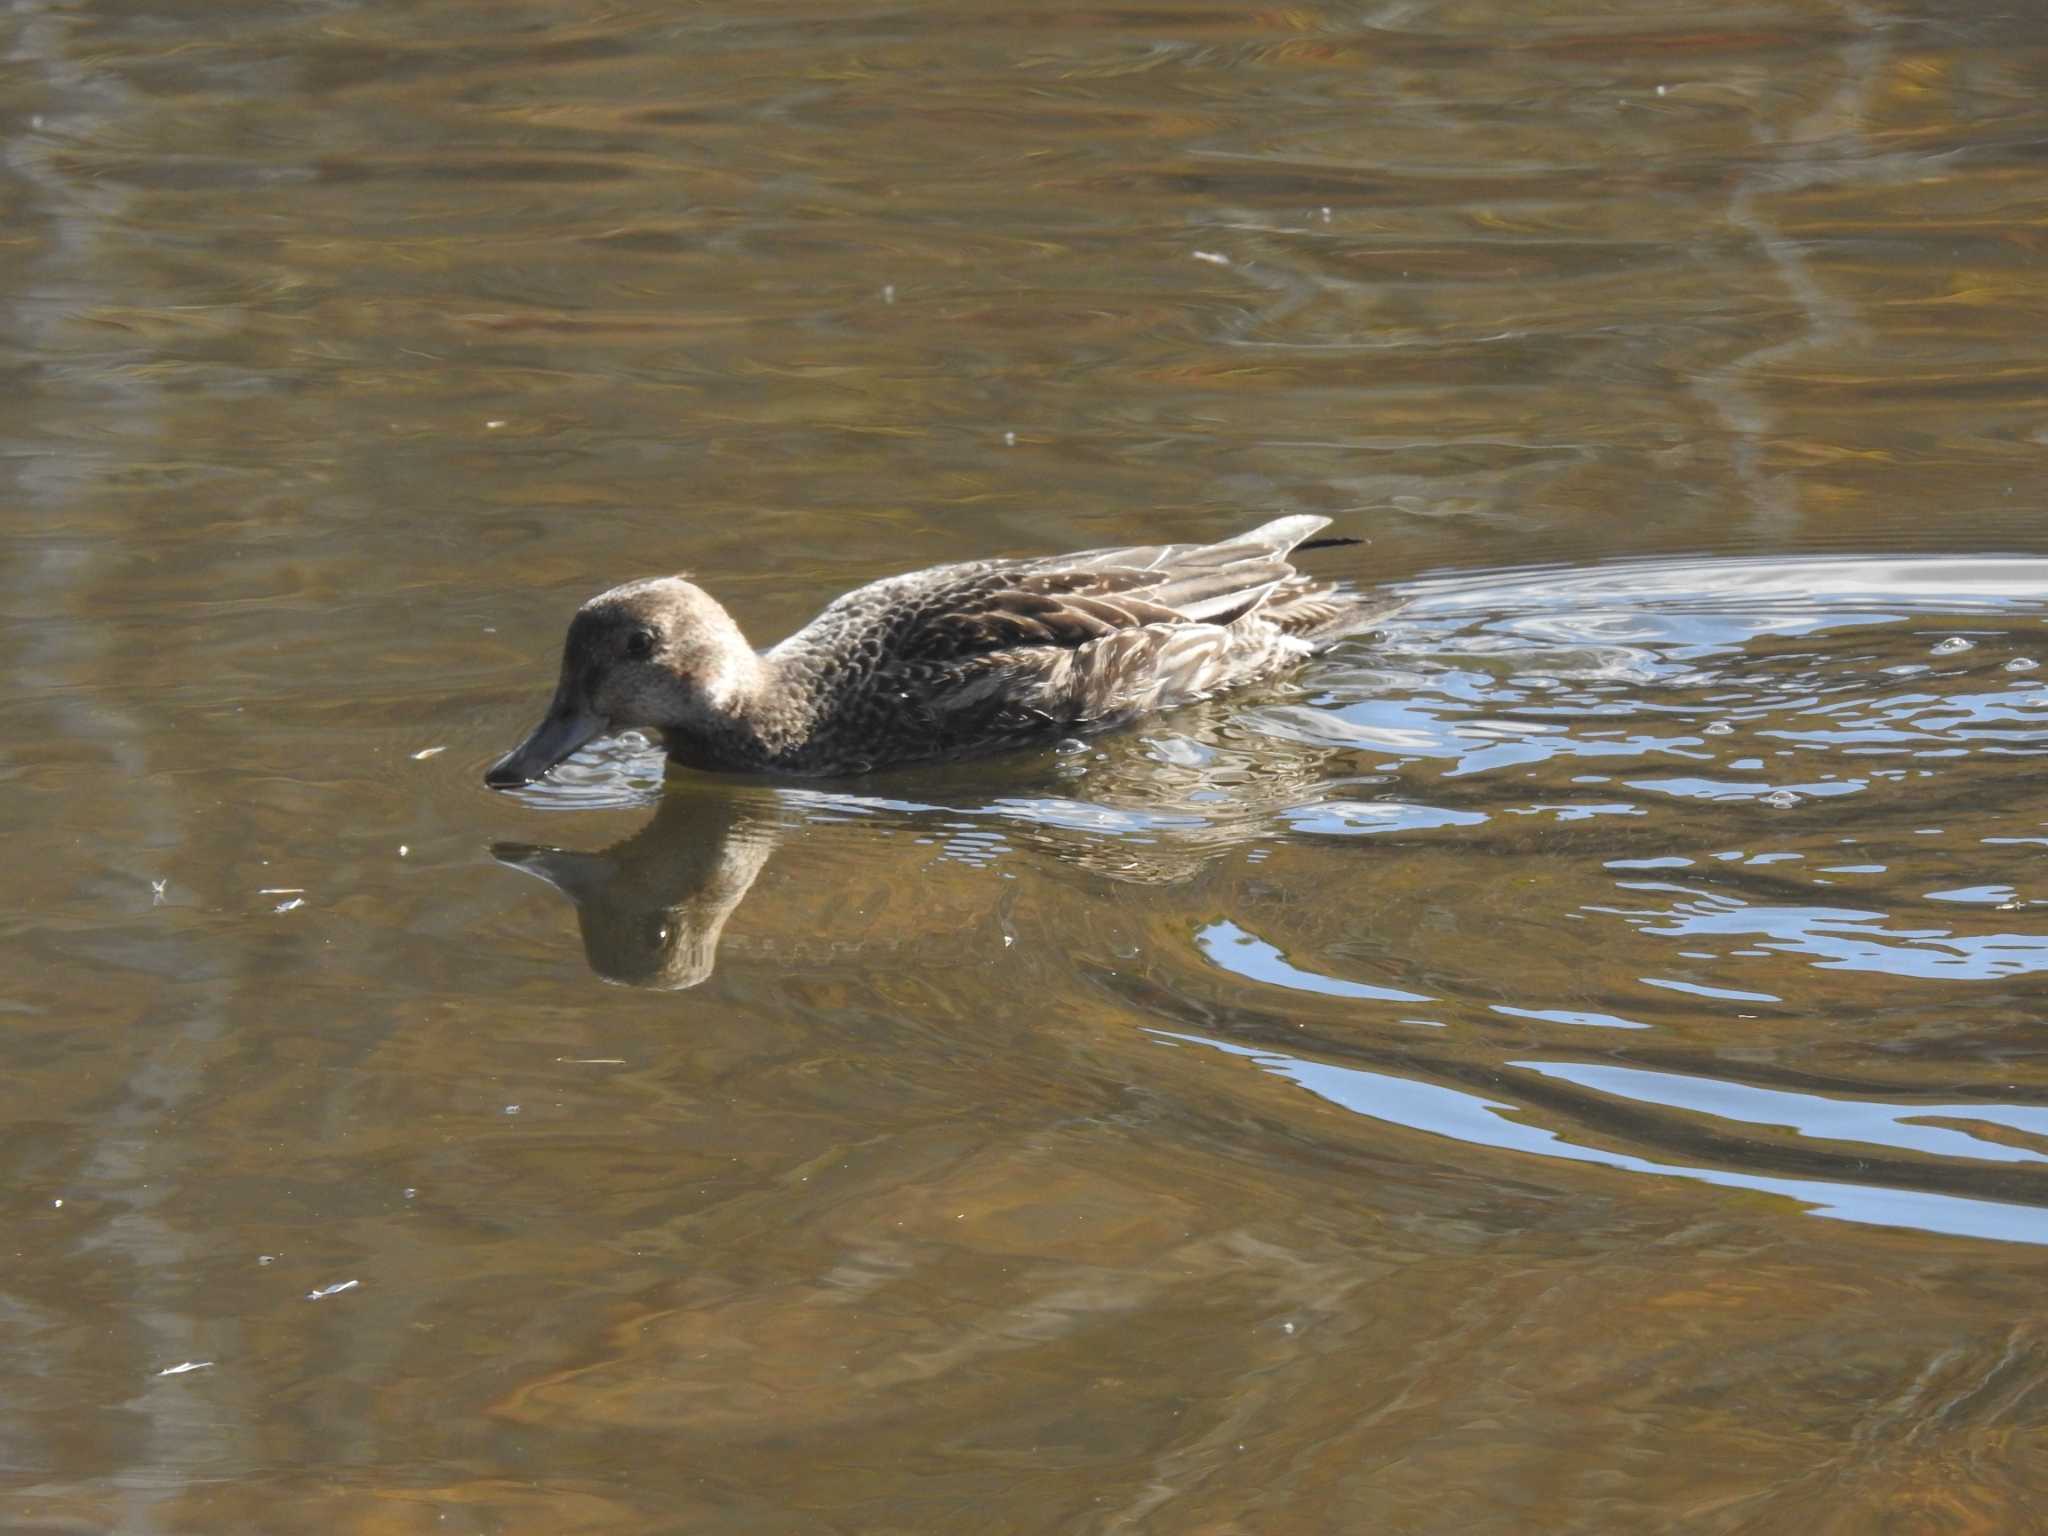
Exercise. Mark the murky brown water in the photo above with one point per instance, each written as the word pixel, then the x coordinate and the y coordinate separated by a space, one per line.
pixel 1574 1065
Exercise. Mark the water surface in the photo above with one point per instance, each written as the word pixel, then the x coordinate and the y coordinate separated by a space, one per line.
pixel 1567 1062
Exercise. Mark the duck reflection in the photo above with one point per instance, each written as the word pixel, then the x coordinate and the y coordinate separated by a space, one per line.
pixel 1154 810
pixel 653 906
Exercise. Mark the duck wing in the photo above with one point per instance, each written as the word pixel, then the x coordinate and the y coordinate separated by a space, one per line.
pixel 1065 602
pixel 969 658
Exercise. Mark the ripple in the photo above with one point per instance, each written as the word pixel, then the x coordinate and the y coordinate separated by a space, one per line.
pixel 611 773
pixel 1363 818
pixel 1779 796
pixel 1771 591
pixel 1440 1111
pixel 1849 939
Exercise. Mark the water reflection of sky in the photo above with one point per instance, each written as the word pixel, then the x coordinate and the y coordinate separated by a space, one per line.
pixel 1843 938
pixel 1441 1111
pixel 1798 588
pixel 1816 1116
pixel 1246 954
pixel 1647 663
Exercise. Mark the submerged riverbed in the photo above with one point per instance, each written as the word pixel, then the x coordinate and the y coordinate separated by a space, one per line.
pixel 1568 1062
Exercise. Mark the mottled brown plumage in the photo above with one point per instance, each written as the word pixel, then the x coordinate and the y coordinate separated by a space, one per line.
pixel 940 663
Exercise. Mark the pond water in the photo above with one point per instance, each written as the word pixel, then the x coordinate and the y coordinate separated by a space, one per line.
pixel 1570 1061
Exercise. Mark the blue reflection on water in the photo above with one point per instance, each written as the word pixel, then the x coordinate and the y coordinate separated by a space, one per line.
pixel 1441 1111
pixel 1753 595
pixel 1567 1016
pixel 1845 939
pixel 1492 671
pixel 1357 818
pixel 1739 789
pixel 1719 994
pixel 1860 1120
pixel 1246 954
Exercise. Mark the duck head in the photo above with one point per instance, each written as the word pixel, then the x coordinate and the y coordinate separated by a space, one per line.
pixel 656 655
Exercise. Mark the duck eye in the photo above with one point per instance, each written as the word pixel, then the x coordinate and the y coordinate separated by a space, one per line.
pixel 640 644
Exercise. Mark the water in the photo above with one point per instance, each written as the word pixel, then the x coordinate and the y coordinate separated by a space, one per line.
pixel 1568 1062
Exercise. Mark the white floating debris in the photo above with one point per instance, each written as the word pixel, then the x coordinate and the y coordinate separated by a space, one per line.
pixel 1009 439
pixel 58 1203
pixel 1663 90
pixel 1214 258
pixel 1781 799
pixel 1954 645
pixel 2021 664
pixel 592 1061
pixel 426 752
pixel 156 887
pixel 492 426
pixel 265 1259
pixel 183 1366
pixel 403 850
pixel 1287 1327
pixel 410 1192
pixel 1326 215
pixel 289 906
pixel 511 1109
pixel 888 293
pixel 1720 728
pixel 332 1290
pixel 282 890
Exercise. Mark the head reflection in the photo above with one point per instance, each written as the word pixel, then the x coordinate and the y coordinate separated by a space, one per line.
pixel 652 908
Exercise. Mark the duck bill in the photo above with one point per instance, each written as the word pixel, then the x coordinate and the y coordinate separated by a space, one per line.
pixel 561 732
pixel 581 877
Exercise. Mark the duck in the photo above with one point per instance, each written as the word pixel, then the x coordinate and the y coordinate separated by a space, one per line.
pixel 948 662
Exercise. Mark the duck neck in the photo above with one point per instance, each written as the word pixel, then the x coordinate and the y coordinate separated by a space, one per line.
pixel 737 727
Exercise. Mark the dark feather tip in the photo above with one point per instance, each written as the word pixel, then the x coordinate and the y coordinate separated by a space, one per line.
pixel 1330 543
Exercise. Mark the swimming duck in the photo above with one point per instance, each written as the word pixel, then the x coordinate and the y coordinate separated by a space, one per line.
pixel 940 663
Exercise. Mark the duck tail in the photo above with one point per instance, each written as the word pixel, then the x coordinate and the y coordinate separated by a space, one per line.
pixel 1317 612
